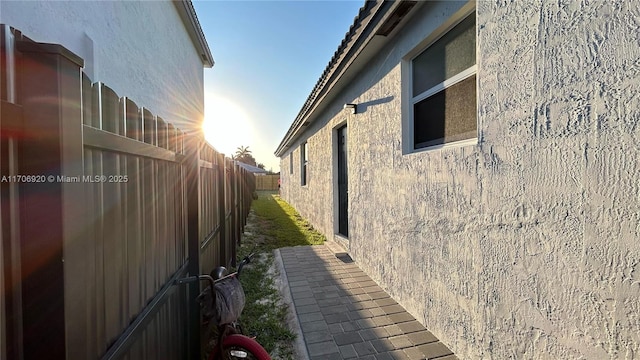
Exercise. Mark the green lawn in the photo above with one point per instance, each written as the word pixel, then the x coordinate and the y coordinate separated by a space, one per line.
pixel 282 224
pixel 272 224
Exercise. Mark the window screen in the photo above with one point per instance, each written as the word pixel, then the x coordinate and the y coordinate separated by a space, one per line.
pixel 444 88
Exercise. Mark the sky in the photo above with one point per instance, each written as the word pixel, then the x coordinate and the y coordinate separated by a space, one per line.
pixel 268 56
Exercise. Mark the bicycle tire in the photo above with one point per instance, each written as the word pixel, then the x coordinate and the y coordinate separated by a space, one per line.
pixel 237 342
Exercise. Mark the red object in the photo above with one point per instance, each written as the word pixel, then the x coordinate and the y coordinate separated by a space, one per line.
pixel 242 343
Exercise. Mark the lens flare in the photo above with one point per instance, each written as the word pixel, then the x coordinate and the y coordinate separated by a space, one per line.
pixel 226 125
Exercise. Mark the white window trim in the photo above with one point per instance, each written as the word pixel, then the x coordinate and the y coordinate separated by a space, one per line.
pixel 443 85
pixel 453 144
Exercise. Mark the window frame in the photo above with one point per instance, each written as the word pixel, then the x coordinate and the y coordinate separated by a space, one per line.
pixel 304 160
pixel 291 163
pixel 409 143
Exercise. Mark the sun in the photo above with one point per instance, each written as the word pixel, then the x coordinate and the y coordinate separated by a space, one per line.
pixel 226 126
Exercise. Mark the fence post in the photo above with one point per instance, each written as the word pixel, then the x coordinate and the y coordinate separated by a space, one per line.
pixel 10 130
pixel 232 219
pixel 192 178
pixel 220 163
pixel 50 84
pixel 234 205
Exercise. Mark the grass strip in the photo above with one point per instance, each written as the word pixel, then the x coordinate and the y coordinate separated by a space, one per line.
pixel 264 316
pixel 283 226
pixel 272 224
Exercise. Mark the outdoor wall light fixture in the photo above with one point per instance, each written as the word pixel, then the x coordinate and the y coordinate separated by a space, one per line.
pixel 353 107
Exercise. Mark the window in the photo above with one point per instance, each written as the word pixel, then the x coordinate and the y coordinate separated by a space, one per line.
pixel 443 88
pixel 303 164
pixel 291 163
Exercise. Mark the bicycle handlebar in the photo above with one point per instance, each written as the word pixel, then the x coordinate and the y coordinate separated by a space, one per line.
pixel 246 260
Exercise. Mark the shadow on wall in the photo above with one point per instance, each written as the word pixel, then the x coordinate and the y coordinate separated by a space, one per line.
pixel 362 107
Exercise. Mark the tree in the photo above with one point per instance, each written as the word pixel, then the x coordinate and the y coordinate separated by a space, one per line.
pixel 242 151
pixel 243 154
pixel 261 166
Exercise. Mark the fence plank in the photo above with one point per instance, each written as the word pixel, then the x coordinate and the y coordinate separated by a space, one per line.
pixel 149 226
pixel 112 249
pixel 172 135
pixel 110 121
pixel 209 225
pixel 149 127
pixel 133 127
pixel 96 196
pixel 87 100
pixel 134 236
pixel 133 210
pixel 109 110
pixel 123 231
pixel 162 133
pixel 163 218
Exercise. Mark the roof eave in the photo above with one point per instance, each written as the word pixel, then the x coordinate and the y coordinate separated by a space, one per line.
pixel 190 19
pixel 384 11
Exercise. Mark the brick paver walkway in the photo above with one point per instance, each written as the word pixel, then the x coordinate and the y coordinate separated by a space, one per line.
pixel 344 314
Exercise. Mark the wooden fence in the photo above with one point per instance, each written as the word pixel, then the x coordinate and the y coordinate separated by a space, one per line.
pixel 104 206
pixel 267 182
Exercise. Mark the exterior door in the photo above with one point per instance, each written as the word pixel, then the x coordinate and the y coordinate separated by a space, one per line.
pixel 343 192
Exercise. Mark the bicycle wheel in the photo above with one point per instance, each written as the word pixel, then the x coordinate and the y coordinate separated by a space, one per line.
pixel 238 346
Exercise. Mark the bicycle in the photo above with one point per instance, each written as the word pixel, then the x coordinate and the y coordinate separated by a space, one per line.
pixel 223 308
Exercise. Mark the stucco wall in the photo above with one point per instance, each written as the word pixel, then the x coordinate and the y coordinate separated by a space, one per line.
pixel 138 48
pixel 526 245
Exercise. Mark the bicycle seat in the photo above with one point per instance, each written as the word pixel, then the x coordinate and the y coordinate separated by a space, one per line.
pixel 219 272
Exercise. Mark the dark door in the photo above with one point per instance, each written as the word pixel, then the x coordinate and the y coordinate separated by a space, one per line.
pixel 343 193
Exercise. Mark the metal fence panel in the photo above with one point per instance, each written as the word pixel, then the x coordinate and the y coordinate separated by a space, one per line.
pixel 100 249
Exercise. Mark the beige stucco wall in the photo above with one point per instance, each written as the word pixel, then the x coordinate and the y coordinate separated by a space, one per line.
pixel 527 244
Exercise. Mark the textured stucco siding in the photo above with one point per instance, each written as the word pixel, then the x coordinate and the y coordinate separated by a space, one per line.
pixel 526 245
pixel 140 49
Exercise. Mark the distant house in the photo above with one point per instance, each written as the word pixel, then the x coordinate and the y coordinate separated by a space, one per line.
pixel 150 51
pixel 253 169
pixel 479 160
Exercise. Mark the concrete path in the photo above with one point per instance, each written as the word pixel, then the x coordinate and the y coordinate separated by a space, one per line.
pixel 343 314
